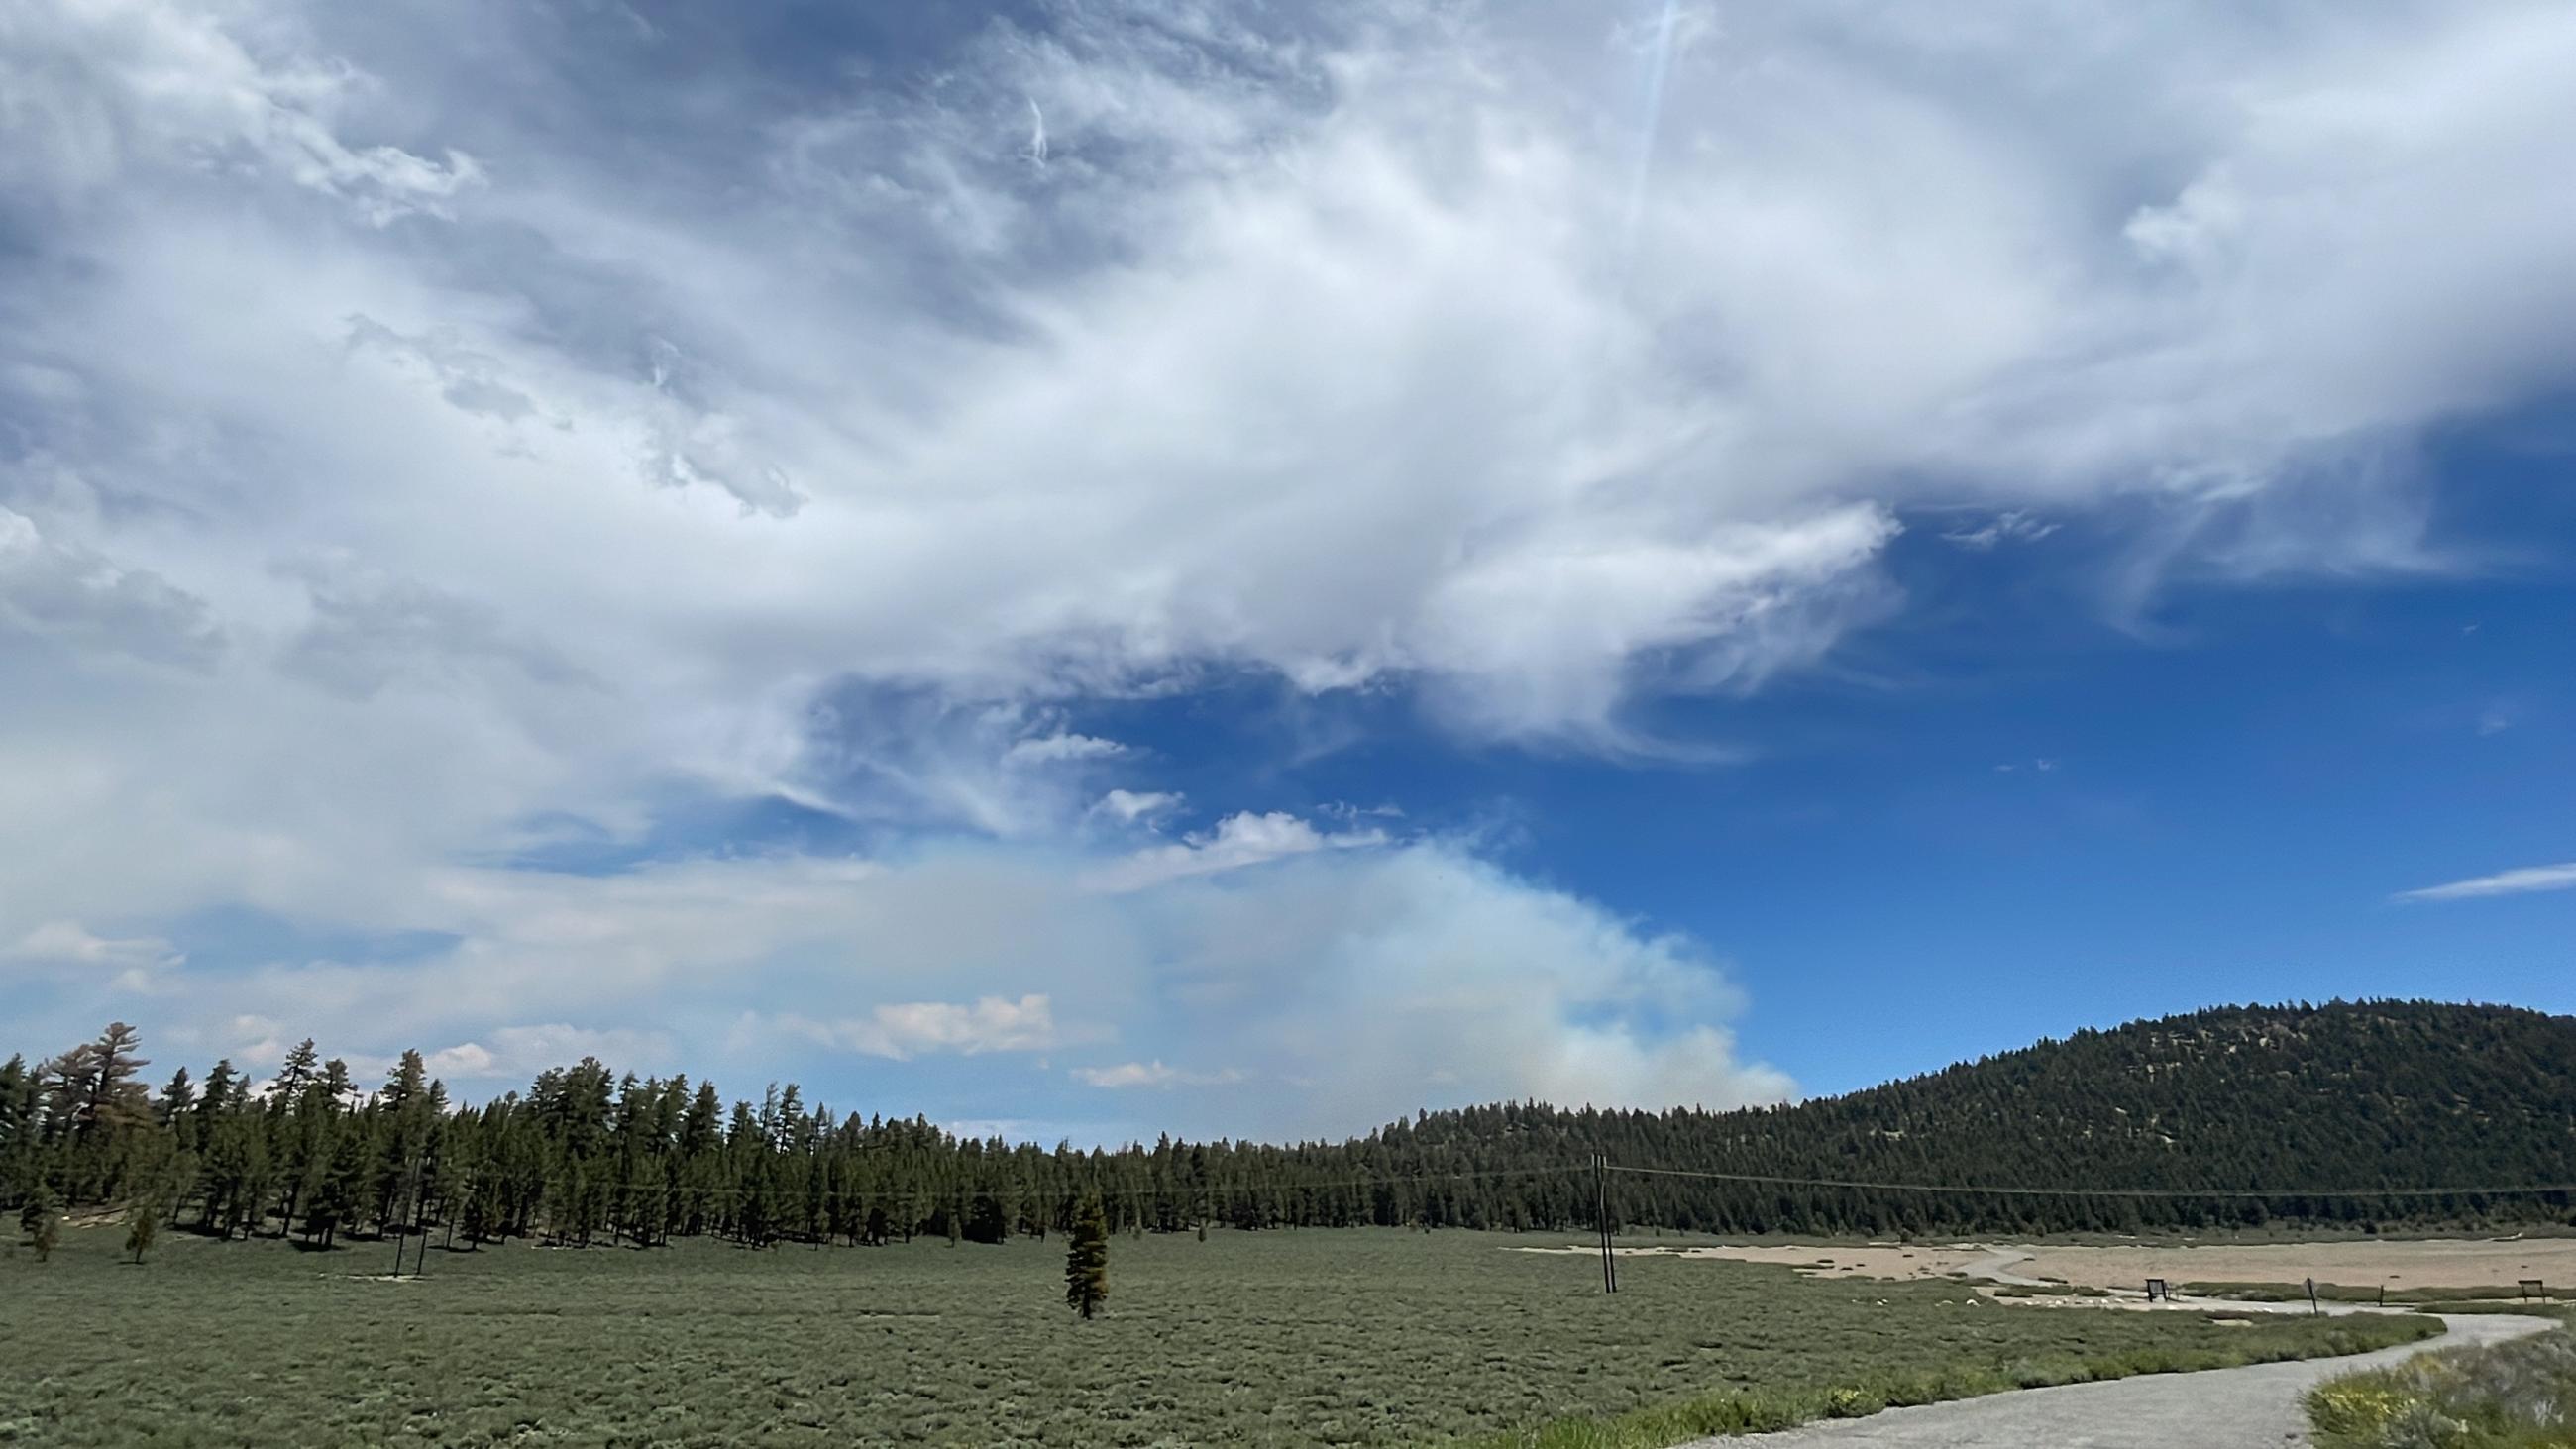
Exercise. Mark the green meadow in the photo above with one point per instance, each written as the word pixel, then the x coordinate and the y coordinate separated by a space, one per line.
pixel 1360 1336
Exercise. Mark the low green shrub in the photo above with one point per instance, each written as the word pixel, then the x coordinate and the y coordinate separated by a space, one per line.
pixel 2515 1395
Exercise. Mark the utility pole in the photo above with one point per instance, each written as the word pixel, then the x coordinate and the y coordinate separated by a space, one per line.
pixel 1601 1217
pixel 420 1219
pixel 394 1213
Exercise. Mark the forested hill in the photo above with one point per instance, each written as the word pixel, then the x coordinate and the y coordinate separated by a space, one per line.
pixel 2395 1094
pixel 2230 1116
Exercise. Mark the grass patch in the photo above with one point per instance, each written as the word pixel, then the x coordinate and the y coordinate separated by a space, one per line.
pixel 2049 1290
pixel 1357 1337
pixel 2348 1293
pixel 1749 1411
pixel 2517 1395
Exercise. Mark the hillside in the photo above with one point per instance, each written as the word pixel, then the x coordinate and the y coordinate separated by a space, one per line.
pixel 2269 1099
pixel 2264 1100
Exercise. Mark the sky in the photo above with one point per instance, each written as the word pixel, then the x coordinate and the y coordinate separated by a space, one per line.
pixel 1086 569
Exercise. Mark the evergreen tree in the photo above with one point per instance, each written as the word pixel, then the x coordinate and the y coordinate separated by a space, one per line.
pixel 41 1219
pixel 141 1224
pixel 336 1086
pixel 177 1102
pixel 19 1096
pixel 293 1076
pixel 1086 1260
pixel 405 1109
pixel 334 1203
pixel 101 1077
pixel 2229 1101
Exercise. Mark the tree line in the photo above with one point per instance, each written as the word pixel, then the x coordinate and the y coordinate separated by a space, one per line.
pixel 2289 1102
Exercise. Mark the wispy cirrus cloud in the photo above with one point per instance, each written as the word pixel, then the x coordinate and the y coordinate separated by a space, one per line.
pixel 2519 881
pixel 1238 841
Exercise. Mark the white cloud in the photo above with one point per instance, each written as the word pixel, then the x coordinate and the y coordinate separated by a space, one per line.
pixel 2502 883
pixel 102 86
pixel 1060 748
pixel 1364 983
pixel 1421 975
pixel 72 594
pixel 478 497
pixel 2013 525
pixel 1153 1074
pixel 1129 806
pixel 134 963
pixel 1238 841
pixel 1283 379
pixel 518 1053
pixel 901 1032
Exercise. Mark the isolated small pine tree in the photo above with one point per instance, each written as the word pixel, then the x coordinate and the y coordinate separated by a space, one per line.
pixel 42 1220
pixel 143 1222
pixel 1086 1262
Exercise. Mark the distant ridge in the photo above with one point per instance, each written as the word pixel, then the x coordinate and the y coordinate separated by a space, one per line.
pixel 2233 1116
pixel 2369 1094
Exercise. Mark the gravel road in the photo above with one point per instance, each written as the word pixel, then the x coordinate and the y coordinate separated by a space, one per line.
pixel 2239 1408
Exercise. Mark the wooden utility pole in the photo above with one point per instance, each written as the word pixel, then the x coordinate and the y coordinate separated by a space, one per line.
pixel 395 1214
pixel 420 1219
pixel 1601 1217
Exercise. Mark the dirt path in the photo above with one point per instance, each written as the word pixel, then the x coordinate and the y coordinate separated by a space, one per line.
pixel 2398 1264
pixel 2240 1408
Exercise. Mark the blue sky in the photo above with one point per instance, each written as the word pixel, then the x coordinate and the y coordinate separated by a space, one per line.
pixel 1086 568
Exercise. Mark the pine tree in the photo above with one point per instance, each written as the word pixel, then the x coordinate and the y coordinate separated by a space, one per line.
pixel 293 1075
pixel 406 1111
pixel 109 1097
pixel 337 1089
pixel 335 1198
pixel 42 1221
pixel 143 1223
pixel 1086 1261
pixel 176 1101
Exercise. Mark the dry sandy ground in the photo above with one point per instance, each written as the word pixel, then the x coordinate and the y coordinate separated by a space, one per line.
pixel 2431 1263
pixel 2356 1263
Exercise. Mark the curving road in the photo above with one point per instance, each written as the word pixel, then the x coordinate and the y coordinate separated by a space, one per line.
pixel 2256 1407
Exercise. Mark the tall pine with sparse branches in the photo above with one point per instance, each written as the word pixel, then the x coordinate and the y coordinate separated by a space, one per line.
pixel 1086 1261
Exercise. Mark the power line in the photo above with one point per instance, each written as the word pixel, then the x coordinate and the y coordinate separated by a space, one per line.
pixel 933 1195
pixel 1572 1173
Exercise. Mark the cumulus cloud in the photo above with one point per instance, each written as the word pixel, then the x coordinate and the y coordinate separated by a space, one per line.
pixel 2503 883
pixel 1325 994
pixel 1365 980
